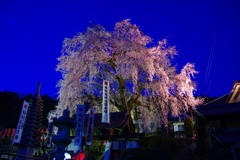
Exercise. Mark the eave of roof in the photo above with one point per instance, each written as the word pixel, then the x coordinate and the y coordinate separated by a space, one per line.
pixel 218 109
pixel 117 120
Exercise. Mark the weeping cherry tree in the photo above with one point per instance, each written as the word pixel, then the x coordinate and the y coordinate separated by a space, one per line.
pixel 143 80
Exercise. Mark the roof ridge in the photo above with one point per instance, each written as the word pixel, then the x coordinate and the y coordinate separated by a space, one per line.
pixel 216 99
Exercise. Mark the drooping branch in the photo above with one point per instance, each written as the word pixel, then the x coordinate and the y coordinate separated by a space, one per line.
pixel 140 76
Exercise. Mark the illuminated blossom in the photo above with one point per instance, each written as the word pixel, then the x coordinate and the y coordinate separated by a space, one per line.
pixel 140 76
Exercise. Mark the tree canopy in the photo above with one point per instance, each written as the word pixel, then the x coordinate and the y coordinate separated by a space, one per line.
pixel 141 74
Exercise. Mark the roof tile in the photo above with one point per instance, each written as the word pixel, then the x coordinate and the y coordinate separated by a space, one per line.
pixel 215 109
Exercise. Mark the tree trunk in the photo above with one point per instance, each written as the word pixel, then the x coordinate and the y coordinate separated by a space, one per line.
pixel 131 126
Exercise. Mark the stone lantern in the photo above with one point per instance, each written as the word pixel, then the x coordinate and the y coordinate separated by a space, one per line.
pixel 62 139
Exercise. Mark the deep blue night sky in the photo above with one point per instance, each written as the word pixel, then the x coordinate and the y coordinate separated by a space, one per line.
pixel 205 32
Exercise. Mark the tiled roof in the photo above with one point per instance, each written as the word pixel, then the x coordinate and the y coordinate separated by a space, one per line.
pixel 117 120
pixel 217 109
pixel 227 136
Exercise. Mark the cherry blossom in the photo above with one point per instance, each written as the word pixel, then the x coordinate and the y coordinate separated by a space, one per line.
pixel 141 77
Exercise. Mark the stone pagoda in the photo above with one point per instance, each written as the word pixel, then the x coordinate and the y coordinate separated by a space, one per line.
pixel 31 134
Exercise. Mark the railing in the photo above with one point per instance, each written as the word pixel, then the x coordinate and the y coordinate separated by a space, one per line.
pixel 14 156
pixel 49 154
pixel 8 147
pixel 11 150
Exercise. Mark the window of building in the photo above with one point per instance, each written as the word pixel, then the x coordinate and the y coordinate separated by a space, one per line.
pixel 180 127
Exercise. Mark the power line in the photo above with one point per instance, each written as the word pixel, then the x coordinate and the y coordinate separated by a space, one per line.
pixel 212 49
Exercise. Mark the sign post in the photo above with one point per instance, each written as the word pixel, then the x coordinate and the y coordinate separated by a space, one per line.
pixel 105 102
pixel 80 118
pixel 90 127
pixel 50 129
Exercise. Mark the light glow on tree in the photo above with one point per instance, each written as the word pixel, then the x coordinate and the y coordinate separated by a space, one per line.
pixel 140 76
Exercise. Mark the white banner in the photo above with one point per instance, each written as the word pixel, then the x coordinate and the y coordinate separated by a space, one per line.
pixel 51 116
pixel 50 130
pixel 80 118
pixel 49 135
pixel 105 102
pixel 90 127
pixel 21 121
pixel 107 151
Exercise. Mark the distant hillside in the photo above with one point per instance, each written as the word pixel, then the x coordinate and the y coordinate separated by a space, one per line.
pixel 10 109
pixel 11 106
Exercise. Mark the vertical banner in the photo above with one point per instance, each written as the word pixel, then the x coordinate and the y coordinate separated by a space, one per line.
pixel 90 127
pixel 50 129
pixel 105 102
pixel 21 121
pixel 107 151
pixel 80 118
